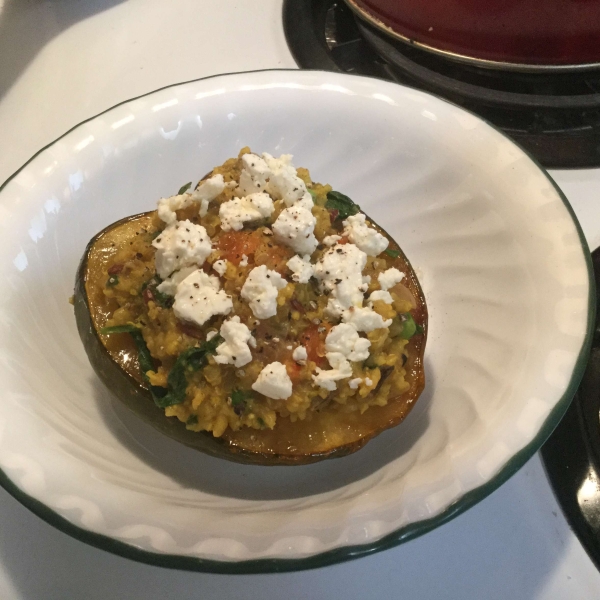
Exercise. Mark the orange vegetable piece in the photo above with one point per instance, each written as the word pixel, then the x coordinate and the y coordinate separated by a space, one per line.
pixel 233 244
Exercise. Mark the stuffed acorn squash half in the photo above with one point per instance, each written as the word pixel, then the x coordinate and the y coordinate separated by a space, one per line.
pixel 259 317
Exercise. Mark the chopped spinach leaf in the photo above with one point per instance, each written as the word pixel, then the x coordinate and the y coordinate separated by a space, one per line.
pixel 261 422
pixel 150 292
pixel 187 362
pixel 392 253
pixel 420 329
pixel 112 281
pixel 184 188
pixel 192 420
pixel 129 328
pixel 341 203
pixel 314 195
pixel 239 397
pixel 144 357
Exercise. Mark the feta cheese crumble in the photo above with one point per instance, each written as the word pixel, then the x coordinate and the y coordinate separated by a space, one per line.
pixel 390 278
pixel 340 272
pixel 344 338
pixel 235 350
pixel 244 261
pixel 208 190
pixel 284 182
pixel 179 245
pixel 277 176
pixel 331 240
pixel 354 383
pixel 169 285
pixel 295 227
pixel 220 266
pixel 300 355
pixel 260 290
pixel 340 369
pixel 273 382
pixel 302 269
pixel 365 237
pixel 236 212
pixel 343 344
pixel 254 175
pixel 199 297
pixel 364 319
pixel 380 295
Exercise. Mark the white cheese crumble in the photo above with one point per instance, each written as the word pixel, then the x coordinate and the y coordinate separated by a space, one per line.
pixel 295 227
pixel 208 190
pixel 368 381
pixel 343 344
pixel 260 290
pixel 284 182
pixel 344 338
pixel 331 240
pixel 236 212
pixel 210 335
pixel 220 266
pixel 244 261
pixel 277 176
pixel 390 278
pixel 365 237
pixel 340 272
pixel 199 297
pixel 364 319
pixel 273 382
pixel 302 269
pixel 340 369
pixel 354 383
pixel 254 175
pixel 300 355
pixel 179 245
pixel 380 295
pixel 235 350
pixel 169 285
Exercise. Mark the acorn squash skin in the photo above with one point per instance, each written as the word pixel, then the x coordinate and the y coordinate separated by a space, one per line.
pixel 252 446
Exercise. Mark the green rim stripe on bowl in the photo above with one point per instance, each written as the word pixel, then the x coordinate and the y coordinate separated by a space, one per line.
pixel 344 553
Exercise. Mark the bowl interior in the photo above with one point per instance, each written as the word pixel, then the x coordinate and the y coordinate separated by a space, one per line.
pixel 501 260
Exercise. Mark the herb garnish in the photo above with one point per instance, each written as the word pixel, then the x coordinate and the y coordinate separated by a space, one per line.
pixel 392 253
pixel 184 188
pixel 341 203
pixel 112 281
pixel 144 356
pixel 239 399
pixel 150 292
pixel 187 362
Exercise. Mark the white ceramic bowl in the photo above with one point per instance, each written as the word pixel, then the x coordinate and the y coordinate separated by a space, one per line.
pixel 504 267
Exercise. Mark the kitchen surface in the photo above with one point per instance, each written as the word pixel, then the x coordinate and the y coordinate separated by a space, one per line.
pixel 63 61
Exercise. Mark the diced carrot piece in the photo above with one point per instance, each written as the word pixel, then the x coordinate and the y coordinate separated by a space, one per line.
pixel 234 244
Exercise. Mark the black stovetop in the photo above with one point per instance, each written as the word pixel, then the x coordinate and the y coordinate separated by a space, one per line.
pixel 553 115
pixel 572 454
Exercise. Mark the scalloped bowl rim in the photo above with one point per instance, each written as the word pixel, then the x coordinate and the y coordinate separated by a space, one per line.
pixel 342 553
